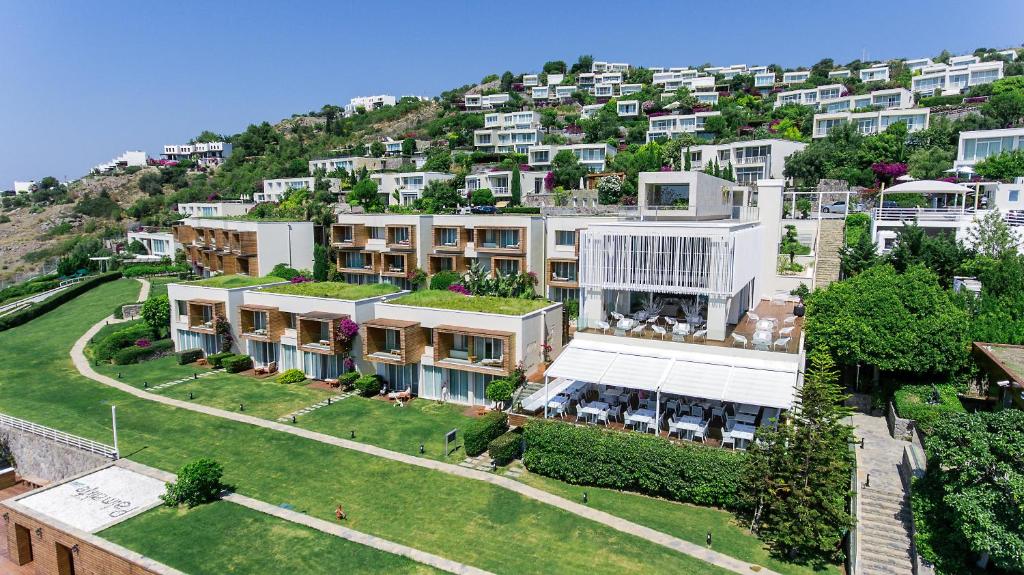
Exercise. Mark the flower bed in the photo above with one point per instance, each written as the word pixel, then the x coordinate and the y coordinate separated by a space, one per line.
pixel 912 402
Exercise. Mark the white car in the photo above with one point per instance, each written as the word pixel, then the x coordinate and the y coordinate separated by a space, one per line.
pixel 834 208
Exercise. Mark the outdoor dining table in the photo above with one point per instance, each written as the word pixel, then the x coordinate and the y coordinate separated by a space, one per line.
pixel 747 418
pixel 594 408
pixel 623 325
pixel 764 325
pixel 644 417
pixel 762 339
pixel 687 423
pixel 743 433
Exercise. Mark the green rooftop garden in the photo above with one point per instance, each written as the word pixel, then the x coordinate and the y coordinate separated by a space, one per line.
pixel 234 281
pixel 443 299
pixel 334 290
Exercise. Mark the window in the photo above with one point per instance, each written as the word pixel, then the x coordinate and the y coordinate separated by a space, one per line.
pixel 259 320
pixel 460 342
pixel 565 238
pixel 376 233
pixel 1014 195
pixel 289 320
pixel 182 308
pixel 449 236
pixel 392 339
pixel 669 195
pixel 489 348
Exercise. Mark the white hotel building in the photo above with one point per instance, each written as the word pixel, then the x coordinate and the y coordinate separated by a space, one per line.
pixel 951 80
pixel 203 153
pixel 508 132
pixel 869 123
pixel 673 125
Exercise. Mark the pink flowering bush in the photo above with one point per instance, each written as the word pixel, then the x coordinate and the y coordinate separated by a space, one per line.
pixel 549 181
pixel 300 280
pixel 458 288
pixel 348 327
pixel 143 342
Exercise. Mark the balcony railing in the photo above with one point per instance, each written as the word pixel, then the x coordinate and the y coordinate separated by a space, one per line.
pixel 923 214
pixel 747 160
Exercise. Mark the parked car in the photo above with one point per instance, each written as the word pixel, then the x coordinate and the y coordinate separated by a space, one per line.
pixel 890 204
pixel 484 210
pixel 838 207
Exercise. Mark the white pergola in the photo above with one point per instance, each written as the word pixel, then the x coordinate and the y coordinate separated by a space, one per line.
pixel 708 374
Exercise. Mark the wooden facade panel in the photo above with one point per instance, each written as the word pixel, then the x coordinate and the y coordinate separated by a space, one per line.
pixel 443 340
pixel 555 280
pixel 371 259
pixel 395 244
pixel 480 234
pixel 462 236
pixel 349 235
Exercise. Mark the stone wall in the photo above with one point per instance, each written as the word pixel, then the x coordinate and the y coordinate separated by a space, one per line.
pixel 38 458
pixel 899 428
pixel 913 467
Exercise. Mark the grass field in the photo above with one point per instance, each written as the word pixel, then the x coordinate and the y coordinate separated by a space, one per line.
pixel 223 537
pixel 468 521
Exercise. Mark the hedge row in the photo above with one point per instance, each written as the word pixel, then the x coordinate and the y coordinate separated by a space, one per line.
pixel 55 301
pixel 505 447
pixel 28 288
pixel 633 462
pixel 187 356
pixel 291 376
pixel 217 359
pixel 348 379
pixel 481 431
pixel 520 210
pixel 139 270
pixel 237 363
pixel 135 354
pixel 368 385
pixel 912 402
pixel 106 349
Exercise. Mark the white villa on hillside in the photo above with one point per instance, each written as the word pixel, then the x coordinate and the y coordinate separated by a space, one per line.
pixel 751 160
pixel 869 123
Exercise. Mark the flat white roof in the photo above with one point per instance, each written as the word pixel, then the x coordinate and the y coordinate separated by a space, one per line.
pixel 97 500
pixel 765 382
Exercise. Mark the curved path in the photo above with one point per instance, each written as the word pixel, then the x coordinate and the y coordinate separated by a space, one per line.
pixel 715 558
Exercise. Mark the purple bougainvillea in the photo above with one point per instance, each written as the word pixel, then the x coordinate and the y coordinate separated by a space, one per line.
pixel 549 181
pixel 300 280
pixel 349 364
pixel 348 328
pixel 458 288
pixel 889 170
pixel 143 342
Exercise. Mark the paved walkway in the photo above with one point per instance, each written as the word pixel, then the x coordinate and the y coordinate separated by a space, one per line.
pixel 316 406
pixel 676 544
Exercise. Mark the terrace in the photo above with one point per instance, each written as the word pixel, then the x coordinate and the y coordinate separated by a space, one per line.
pixel 346 236
pixel 397 264
pixel 261 323
pixel 400 237
pixel 500 240
pixel 473 349
pixel 358 262
pixel 392 341
pixel 446 262
pixel 202 313
pixel 317 332
pixel 450 238
pixel 562 272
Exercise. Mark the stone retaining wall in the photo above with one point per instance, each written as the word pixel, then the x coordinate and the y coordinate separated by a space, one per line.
pixel 39 458
pixel 899 428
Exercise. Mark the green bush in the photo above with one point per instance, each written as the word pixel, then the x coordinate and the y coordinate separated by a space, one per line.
pixel 911 402
pixel 139 270
pixel 135 354
pixel 237 363
pixel 483 430
pixel 506 447
pixel 633 462
pixel 36 310
pixel 441 280
pixel 348 380
pixel 519 210
pixel 930 101
pixel 291 376
pixel 368 385
pixel 217 359
pixel 106 348
pixel 856 224
pixel 198 482
pixel 187 356
pixel 28 288
pixel 500 390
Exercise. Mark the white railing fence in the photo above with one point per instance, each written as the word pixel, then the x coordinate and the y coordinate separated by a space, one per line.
pixel 58 436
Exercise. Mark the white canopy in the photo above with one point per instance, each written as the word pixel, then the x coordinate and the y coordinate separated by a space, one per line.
pixel 718 376
pixel 927 187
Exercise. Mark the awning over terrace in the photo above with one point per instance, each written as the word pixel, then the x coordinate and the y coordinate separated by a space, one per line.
pixel 717 376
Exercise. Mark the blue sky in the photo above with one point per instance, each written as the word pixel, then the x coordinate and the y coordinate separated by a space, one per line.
pixel 81 82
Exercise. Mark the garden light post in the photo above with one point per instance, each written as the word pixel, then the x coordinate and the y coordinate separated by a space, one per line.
pixel 113 420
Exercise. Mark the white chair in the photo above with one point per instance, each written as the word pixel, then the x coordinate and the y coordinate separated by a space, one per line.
pixel 753 316
pixel 779 299
pixel 670 320
pixel 653 319
pixel 638 330
pixel 603 326
pixel 615 413
pixel 783 342
pixel 579 411
pixel 697 411
pixel 790 320
pixel 786 331
pixel 618 316
pixel 701 433
pixel 701 333
pixel 728 439
pixel 659 330
pixel 740 339
pixel 602 416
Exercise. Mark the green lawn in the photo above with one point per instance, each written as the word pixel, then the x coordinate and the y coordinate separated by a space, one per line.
pixel 469 521
pixel 262 397
pixel 223 537
pixel 335 290
pixel 234 281
pixel 400 429
pixel 687 522
pixel 159 284
pixel 444 299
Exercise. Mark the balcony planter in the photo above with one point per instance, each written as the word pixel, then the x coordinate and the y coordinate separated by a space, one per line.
pixel 799 310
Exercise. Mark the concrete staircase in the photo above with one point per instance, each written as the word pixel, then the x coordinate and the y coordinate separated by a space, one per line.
pixel 883 531
pixel 525 391
pixel 830 241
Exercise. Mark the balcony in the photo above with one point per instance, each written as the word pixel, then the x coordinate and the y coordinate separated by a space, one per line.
pixel 563 273
pixel 954 214
pixel 346 236
pixel 450 239
pixel 750 160
pixel 397 265
pixel 476 350
pixel 507 266
pixel 392 341
pixel 400 237
pixel 362 262
pixel 261 323
pixel 446 262
pixel 202 314
pixel 500 240
pixel 317 332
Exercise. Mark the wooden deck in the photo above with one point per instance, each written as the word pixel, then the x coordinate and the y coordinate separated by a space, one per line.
pixel 764 309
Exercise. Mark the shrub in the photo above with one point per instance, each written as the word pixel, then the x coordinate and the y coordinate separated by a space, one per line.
pixel 633 462
pixel 348 380
pixel 911 402
pixel 198 482
pixel 34 311
pixel 237 363
pixel 500 390
pixel 106 348
pixel 441 280
pixel 137 353
pixel 140 270
pixel 368 385
pixel 217 359
pixel 482 430
pixel 505 447
pixel 187 356
pixel 291 376
pixel 520 210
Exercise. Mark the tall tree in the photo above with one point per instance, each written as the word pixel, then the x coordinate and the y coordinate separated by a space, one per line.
pixel 320 263
pixel 991 236
pixel 863 254
pixel 567 169
pixel 516 186
pixel 798 475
